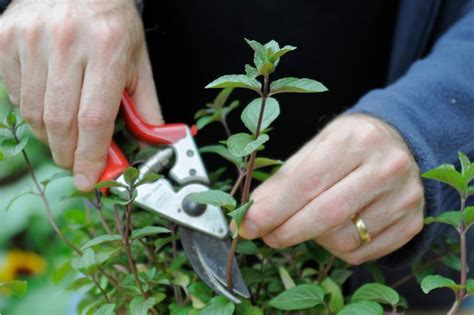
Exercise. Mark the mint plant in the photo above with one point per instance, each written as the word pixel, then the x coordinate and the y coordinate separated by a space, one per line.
pixel 127 261
pixel 462 220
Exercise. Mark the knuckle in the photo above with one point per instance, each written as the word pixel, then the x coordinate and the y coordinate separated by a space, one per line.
pixel 84 158
pixel 58 121
pixel 109 34
pixel 65 32
pixel 31 115
pixel 93 121
pixel 415 197
pixel 399 162
pixel 62 161
pixel 354 260
pixel 274 240
pixel 368 135
pixel 308 184
pixel 334 211
pixel 415 227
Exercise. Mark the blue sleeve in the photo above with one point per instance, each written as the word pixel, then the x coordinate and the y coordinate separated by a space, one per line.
pixel 432 106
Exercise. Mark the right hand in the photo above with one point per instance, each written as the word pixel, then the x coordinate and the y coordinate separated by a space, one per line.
pixel 66 64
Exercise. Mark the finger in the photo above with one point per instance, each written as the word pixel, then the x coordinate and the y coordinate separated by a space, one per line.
pixel 390 240
pixel 34 74
pixel 290 189
pixel 63 92
pixel 377 217
pixel 333 207
pixel 10 73
pixel 100 99
pixel 143 91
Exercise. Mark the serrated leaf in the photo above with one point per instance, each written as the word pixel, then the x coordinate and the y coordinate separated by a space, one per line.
pixel 12 148
pixel 140 306
pixel 300 297
pixel 376 292
pixel 149 178
pixel 250 71
pixel 449 217
pixel 256 46
pixel 107 309
pixel 223 151
pixel 147 231
pixel 213 197
pixel 246 247
pixel 219 305
pixel 336 298
pixel 130 175
pixel 261 162
pixel 17 288
pixel 239 215
pixel 295 85
pixel 469 216
pixel 235 81
pixel 432 282
pixel 446 173
pixel 101 240
pixel 243 144
pixel 286 279
pixel 203 112
pixel 363 307
pixel 278 54
pixel 221 98
pixel 251 113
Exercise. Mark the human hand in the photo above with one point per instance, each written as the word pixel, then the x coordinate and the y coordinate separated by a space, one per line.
pixel 66 64
pixel 357 164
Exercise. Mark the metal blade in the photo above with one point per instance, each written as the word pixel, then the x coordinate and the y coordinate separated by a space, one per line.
pixel 208 257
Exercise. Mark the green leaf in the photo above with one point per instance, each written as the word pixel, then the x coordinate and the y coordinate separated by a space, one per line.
pixel 130 175
pixel 363 307
pixel 261 162
pixel 101 240
pixel 278 54
pixel 300 297
pixel 250 71
pixel 140 306
pixel 452 261
pixel 340 275
pixel 432 282
pixel 201 291
pixel 319 253
pixel 213 197
pixel 11 119
pixel 223 151
pixel 90 260
pixel 245 308
pixel 12 148
pixel 295 85
pixel 221 98
pixel 470 286
pixel 469 216
pixel 107 309
pixel 376 273
pixel 286 279
pixel 251 114
pixel 449 217
pixel 56 176
pixel 60 273
pixel 28 191
pixel 465 162
pixel 149 178
pixel 256 46
pixel 446 173
pixel 336 298
pixel 239 215
pixel 2 156
pixel 2 126
pixel 219 305
pixel 376 292
pixel 109 183
pixel 247 247
pixel 243 144
pixel 204 121
pixel 17 288
pixel 235 81
pixel 147 231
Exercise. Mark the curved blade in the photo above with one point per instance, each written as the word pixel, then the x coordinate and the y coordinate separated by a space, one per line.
pixel 208 257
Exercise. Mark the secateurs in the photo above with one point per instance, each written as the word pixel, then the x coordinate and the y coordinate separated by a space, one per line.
pixel 203 229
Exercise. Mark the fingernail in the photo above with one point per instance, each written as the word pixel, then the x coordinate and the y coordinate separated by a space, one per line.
pixel 81 181
pixel 249 230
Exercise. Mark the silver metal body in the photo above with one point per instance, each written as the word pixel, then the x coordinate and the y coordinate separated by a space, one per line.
pixel 205 232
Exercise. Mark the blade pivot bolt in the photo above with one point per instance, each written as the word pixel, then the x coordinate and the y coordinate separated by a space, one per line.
pixel 192 208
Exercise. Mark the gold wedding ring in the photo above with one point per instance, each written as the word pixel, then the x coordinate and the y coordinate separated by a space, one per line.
pixel 361 229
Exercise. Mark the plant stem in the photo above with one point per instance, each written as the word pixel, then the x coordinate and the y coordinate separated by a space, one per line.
pixel 98 207
pixel 42 195
pixel 94 279
pixel 420 268
pixel 247 183
pixel 454 309
pixel 238 182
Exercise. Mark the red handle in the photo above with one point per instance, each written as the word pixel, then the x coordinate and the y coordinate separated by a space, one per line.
pixel 151 134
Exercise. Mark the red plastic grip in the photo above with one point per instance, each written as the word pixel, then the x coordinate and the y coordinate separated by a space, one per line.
pixel 152 134
pixel 116 163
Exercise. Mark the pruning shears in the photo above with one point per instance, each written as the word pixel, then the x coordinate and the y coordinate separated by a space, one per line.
pixel 203 229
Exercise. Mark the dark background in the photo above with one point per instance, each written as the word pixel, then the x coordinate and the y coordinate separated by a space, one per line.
pixel 343 44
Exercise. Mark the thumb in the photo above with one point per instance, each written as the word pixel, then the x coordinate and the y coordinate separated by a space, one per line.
pixel 143 91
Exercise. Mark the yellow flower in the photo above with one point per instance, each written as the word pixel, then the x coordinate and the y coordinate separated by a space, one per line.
pixel 17 263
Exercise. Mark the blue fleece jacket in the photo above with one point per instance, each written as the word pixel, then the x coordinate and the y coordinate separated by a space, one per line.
pixel 431 99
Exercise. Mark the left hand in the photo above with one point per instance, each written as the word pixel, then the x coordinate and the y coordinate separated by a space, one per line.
pixel 357 164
